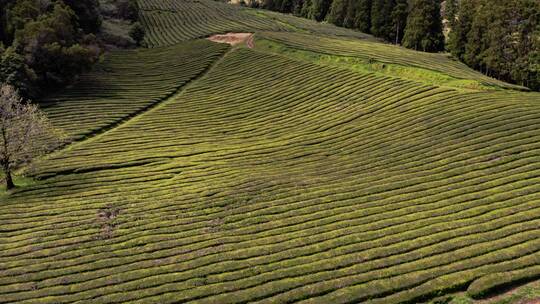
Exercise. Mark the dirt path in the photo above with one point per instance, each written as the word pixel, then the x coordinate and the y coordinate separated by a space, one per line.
pixel 234 39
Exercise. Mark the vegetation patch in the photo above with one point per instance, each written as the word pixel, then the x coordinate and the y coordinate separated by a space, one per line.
pixel 300 171
pixel 127 83
pixel 362 65
pixel 385 53
pixel 20 181
pixel 282 180
pixel 521 294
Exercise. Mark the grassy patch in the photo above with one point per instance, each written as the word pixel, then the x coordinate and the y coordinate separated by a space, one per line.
pixel 369 50
pixel 373 66
pixel 20 182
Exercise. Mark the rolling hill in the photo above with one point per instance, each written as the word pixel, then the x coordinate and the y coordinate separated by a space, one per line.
pixel 205 173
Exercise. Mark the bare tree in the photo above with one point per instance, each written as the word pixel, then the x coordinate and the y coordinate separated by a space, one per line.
pixel 25 132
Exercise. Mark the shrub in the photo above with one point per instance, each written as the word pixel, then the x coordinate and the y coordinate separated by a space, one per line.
pixel 137 32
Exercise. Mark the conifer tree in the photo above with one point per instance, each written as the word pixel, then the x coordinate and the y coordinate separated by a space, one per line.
pixel 306 9
pixel 451 11
pixel 269 5
pixel 461 28
pixel 477 40
pixel 350 15
pixel 319 9
pixel 286 6
pixel 527 69
pixel 424 27
pixel 338 12
pixel 362 16
pixel 88 14
pixel 381 18
pixel 399 19
pixel 377 18
pixel 297 7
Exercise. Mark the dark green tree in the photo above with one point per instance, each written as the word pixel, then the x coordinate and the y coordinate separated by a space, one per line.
pixel 477 39
pixel 499 52
pixel 526 70
pixel 319 9
pixel 504 38
pixel 532 61
pixel 50 47
pixel 269 5
pixel 3 10
pixel 306 9
pixel 381 18
pixel 350 15
pixel 362 17
pixel 45 44
pixel 17 15
pixel 399 19
pixel 499 38
pixel 128 9
pixel 88 14
pixel 15 72
pixel 461 28
pixel 287 6
pixel 338 12
pixel 451 11
pixel 424 27
pixel 137 32
pixel 297 7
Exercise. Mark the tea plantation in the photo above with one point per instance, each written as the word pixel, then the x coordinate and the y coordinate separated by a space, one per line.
pixel 204 173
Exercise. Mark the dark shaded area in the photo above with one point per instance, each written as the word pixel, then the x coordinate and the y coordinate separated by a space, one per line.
pixel 45 45
pixel 505 287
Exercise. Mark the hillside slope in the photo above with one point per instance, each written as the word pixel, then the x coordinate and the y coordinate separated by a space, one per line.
pixel 317 188
pixel 127 83
pixel 253 176
pixel 371 51
pixel 172 21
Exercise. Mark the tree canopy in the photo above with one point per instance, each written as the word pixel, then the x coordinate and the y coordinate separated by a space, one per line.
pixel 424 27
pixel 501 38
pixel 44 45
pixel 25 132
pixel 48 43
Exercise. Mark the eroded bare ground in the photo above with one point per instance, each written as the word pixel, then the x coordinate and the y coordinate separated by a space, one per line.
pixel 233 38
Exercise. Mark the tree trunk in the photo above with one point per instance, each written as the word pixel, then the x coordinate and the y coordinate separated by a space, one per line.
pixel 397 33
pixel 9 181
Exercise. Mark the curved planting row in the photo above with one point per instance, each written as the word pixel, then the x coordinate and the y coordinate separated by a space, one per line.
pixel 310 26
pixel 127 83
pixel 496 281
pixel 385 53
pixel 170 22
pixel 271 180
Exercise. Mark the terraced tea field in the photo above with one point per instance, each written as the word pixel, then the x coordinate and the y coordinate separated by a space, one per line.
pixel 205 173
pixel 127 83
pixel 172 21
pixel 272 180
pixel 380 52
